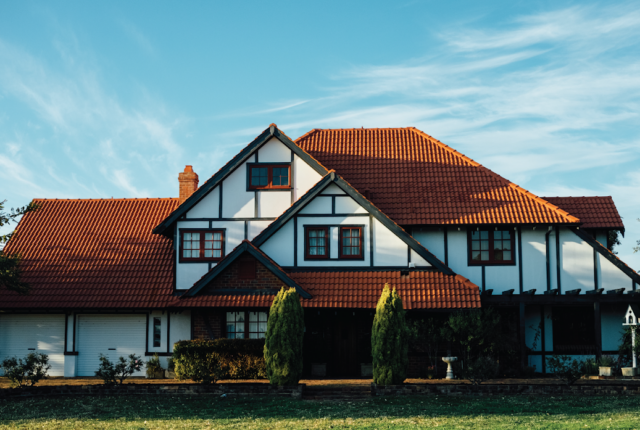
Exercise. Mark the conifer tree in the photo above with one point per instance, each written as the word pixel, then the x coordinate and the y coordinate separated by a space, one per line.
pixel 283 343
pixel 389 340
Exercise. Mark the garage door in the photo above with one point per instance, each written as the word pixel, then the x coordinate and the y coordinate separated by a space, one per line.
pixel 111 335
pixel 22 334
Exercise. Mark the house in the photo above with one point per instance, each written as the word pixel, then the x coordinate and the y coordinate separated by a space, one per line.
pixel 335 214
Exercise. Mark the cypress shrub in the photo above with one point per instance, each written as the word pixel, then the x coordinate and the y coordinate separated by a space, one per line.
pixel 283 343
pixel 389 340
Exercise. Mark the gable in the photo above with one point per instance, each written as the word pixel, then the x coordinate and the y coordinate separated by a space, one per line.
pixel 270 145
pixel 385 244
pixel 245 274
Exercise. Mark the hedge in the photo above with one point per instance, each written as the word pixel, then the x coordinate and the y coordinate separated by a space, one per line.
pixel 210 360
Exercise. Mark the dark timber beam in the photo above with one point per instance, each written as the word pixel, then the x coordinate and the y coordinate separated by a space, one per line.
pixel 523 345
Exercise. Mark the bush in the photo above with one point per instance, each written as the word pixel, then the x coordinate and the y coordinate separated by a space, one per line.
pixel 31 369
pixel 171 367
pixel 224 358
pixel 475 333
pixel 283 343
pixel 590 367
pixel 565 369
pixel 115 374
pixel 389 340
pixel 154 366
pixel 625 357
pixel 477 371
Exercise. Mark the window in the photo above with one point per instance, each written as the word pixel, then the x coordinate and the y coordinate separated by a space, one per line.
pixel 157 335
pixel 350 242
pixel 239 326
pixel 317 242
pixel 263 176
pixel 204 245
pixel 491 247
pixel 573 330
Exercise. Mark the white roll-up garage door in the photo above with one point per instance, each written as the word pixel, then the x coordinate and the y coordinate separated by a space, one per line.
pixel 22 334
pixel 111 335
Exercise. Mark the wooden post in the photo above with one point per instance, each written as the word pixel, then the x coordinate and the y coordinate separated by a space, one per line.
pixel 523 344
pixel 597 328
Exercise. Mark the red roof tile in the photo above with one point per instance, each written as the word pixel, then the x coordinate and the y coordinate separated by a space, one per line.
pixel 93 254
pixel 361 289
pixel 415 179
pixel 594 212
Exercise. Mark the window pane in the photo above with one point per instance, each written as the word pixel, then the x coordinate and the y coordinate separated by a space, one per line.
pixel 253 316
pixel 476 256
pixel 484 245
pixel 320 250
pixel 484 255
pixel 475 245
pixel 475 235
pixel 253 335
pixel 253 327
pixel 263 327
pixel 497 235
pixel 484 235
pixel 497 255
pixel 506 244
pixel 506 234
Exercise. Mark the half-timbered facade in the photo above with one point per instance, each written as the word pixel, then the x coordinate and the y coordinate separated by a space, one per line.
pixel 335 214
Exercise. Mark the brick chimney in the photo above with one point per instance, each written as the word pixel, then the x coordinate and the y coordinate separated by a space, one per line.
pixel 188 183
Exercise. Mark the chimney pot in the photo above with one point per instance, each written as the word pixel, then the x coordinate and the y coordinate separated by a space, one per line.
pixel 188 183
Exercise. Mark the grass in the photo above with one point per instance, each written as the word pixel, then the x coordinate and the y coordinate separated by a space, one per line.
pixel 161 412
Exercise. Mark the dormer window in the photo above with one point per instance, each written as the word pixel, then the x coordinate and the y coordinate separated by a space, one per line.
pixel 201 245
pixel 489 246
pixel 265 176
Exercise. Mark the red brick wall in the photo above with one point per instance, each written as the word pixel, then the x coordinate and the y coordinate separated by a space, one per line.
pixel 229 278
pixel 213 319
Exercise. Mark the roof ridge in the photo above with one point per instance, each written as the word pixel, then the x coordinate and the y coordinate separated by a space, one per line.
pixel 39 199
pixel 514 186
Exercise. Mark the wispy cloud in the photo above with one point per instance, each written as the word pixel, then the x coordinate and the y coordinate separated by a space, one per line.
pixel 138 37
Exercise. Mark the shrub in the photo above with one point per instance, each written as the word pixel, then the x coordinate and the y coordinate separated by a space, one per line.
pixel 115 374
pixel 230 359
pixel 171 367
pixel 477 371
pixel 565 369
pixel 389 340
pixel 475 333
pixel 154 366
pixel 283 343
pixel 625 357
pixel 590 367
pixel 31 369
pixel 427 336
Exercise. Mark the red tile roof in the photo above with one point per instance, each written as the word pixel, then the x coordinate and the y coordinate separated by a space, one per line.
pixel 594 212
pixel 415 179
pixel 361 289
pixel 94 254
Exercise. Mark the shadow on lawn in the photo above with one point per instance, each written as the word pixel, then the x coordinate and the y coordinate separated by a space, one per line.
pixel 255 408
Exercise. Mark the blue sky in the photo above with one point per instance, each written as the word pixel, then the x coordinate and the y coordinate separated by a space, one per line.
pixel 102 99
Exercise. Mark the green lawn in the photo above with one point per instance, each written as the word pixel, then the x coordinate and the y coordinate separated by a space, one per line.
pixel 275 413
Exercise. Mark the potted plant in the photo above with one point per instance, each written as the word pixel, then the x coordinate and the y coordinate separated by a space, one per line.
pixel 154 368
pixel 605 364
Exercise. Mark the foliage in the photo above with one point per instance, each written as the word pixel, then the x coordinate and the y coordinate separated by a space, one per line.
pixel 31 369
pixel 427 335
pixel 475 333
pixel 625 349
pixel 171 365
pixel 476 371
pixel 10 271
pixel 606 361
pixel 284 339
pixel 225 358
pixel 565 369
pixel 389 340
pixel 116 373
pixel 613 240
pixel 590 367
pixel 154 366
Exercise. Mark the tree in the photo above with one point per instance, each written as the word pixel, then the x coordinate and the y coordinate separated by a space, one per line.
pixel 389 340
pixel 283 340
pixel 10 271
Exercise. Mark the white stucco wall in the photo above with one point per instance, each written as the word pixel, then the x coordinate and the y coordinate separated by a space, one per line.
pixel 274 151
pixel 333 189
pixel 612 277
pixel 305 177
pixel 237 202
pixel 346 205
pixel 279 247
pixel 577 262
pixel 271 204
pixel 534 262
pixel 319 205
pixel 208 207
pixel 433 240
pixel 254 228
pixel 458 261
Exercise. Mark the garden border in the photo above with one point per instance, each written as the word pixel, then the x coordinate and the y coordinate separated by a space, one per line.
pixel 506 389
